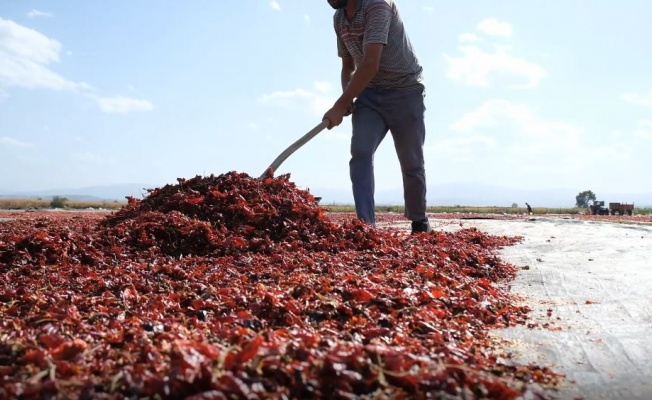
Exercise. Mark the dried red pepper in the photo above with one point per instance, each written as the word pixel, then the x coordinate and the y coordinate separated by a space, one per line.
pixel 229 286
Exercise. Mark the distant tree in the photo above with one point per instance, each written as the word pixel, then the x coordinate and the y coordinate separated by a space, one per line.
pixel 583 198
pixel 58 202
pixel 514 205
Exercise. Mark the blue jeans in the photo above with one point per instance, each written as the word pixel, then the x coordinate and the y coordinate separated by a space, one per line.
pixel 401 112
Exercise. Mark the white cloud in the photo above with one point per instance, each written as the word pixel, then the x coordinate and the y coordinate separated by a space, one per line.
pixel 87 157
pixel 429 8
pixel 640 100
pixel 644 129
pixel 298 98
pixel 469 38
pixel 490 114
pixel 306 17
pixel 462 148
pixel 275 5
pixel 493 27
pixel 478 68
pixel 112 105
pixel 520 128
pixel 7 141
pixel 323 87
pixel 24 58
pixel 501 140
pixel 36 13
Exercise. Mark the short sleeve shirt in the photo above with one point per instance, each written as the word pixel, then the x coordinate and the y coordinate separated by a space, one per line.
pixel 378 21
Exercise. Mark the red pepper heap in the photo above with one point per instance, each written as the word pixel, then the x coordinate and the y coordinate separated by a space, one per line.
pixel 232 287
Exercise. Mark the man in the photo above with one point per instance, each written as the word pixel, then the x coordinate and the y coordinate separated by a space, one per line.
pixel 382 89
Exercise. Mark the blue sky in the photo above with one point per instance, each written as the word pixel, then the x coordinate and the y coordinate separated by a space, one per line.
pixel 529 95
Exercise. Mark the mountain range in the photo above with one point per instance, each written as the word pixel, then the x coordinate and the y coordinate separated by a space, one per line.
pixel 480 195
pixel 116 192
pixel 450 194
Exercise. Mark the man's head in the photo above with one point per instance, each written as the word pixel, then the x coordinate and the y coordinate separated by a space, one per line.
pixel 337 4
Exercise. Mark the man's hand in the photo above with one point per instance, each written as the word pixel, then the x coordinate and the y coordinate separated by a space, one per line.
pixel 336 114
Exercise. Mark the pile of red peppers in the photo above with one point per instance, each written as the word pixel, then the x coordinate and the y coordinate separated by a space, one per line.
pixel 231 287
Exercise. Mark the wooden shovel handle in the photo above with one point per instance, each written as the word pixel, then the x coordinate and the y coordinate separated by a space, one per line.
pixel 294 147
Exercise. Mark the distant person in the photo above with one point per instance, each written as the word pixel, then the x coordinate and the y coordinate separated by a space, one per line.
pixel 529 209
pixel 382 89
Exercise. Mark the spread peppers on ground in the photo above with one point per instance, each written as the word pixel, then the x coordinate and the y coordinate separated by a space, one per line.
pixel 227 286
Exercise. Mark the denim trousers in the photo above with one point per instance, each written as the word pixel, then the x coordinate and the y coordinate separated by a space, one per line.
pixel 400 112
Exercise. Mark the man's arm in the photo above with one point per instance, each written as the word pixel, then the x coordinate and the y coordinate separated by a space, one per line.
pixel 354 80
pixel 364 73
pixel 348 68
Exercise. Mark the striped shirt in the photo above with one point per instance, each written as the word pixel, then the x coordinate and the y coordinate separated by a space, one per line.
pixel 378 21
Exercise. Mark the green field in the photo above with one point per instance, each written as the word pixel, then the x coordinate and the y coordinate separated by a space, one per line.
pixel 31 204
pixel 463 209
pixel 42 204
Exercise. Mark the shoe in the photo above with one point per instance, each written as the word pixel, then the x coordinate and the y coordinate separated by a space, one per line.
pixel 421 226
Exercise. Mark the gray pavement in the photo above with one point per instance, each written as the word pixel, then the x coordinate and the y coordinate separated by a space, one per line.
pixel 589 285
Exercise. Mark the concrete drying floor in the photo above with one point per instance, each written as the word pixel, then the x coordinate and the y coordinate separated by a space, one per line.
pixel 591 282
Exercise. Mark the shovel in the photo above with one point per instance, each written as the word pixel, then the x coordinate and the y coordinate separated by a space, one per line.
pixel 294 147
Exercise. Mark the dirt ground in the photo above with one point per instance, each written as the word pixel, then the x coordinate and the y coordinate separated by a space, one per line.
pixel 589 285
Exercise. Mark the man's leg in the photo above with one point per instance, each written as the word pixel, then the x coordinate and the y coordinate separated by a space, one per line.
pixel 369 129
pixel 406 122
